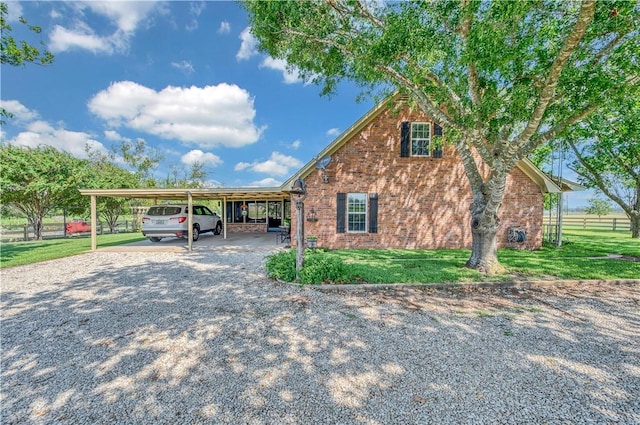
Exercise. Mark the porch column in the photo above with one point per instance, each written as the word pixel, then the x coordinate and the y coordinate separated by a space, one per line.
pixel 224 217
pixel 94 223
pixel 190 220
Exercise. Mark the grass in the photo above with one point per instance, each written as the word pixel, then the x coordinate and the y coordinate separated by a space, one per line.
pixel 20 253
pixel 574 260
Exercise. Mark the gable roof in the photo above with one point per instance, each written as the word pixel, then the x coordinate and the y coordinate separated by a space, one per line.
pixel 546 184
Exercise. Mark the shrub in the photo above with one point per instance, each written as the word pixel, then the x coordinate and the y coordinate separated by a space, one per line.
pixel 282 265
pixel 318 267
pixel 322 268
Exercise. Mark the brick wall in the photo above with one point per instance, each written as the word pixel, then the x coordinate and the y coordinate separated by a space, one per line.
pixel 422 202
pixel 246 227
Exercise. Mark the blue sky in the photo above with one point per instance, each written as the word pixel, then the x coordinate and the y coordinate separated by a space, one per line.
pixel 184 76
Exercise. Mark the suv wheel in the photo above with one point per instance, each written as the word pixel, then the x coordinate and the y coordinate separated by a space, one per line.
pixel 218 229
pixel 196 232
pixel 155 239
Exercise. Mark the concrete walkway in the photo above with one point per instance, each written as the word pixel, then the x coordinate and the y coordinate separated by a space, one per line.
pixel 206 242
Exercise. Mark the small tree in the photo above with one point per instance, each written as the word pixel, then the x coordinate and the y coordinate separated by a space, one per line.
pixel 599 207
pixel 36 180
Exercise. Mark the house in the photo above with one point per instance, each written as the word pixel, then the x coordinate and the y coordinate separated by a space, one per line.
pixel 387 182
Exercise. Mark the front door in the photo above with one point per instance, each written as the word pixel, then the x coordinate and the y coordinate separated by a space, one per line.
pixel 274 215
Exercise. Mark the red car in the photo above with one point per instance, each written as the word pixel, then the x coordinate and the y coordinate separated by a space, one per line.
pixel 77 226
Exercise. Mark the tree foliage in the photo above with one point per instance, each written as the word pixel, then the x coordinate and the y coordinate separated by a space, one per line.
pixel 141 158
pixel 105 174
pixel 606 147
pixel 598 207
pixel 502 77
pixel 36 180
pixel 18 53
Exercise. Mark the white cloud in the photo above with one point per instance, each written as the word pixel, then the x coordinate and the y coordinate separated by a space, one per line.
pixel 268 182
pixel 113 135
pixel 333 132
pixel 296 144
pixel 249 44
pixel 195 9
pixel 197 155
pixel 291 76
pixel 20 112
pixel 185 66
pixel 14 11
pixel 82 37
pixel 225 28
pixel 42 133
pixel 207 116
pixel 125 16
pixel 278 165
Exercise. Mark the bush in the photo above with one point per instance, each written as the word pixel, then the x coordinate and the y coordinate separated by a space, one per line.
pixel 318 267
pixel 322 268
pixel 282 265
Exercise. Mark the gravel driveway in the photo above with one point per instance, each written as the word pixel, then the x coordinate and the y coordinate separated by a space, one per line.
pixel 204 337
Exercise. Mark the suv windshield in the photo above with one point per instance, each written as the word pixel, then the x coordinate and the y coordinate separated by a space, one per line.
pixel 164 210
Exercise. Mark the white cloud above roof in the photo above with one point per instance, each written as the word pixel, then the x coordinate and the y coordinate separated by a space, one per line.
pixel 185 66
pixel 207 117
pixel 333 132
pixel 197 156
pixel 268 182
pixel 278 165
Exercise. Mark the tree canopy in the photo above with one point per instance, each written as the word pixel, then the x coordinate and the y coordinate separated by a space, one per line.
pixel 36 180
pixel 606 148
pixel 502 77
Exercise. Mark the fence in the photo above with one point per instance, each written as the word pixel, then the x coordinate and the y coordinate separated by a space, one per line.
pixel 24 232
pixel 607 223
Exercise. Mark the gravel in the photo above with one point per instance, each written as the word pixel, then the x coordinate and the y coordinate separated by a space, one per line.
pixel 204 337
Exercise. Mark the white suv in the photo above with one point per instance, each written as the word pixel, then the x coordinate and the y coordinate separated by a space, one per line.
pixel 165 221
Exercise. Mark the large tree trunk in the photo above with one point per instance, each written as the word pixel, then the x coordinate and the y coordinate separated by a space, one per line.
pixel 487 198
pixel 635 225
pixel 484 249
pixel 36 224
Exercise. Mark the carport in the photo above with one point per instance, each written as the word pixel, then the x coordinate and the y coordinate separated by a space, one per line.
pixel 222 194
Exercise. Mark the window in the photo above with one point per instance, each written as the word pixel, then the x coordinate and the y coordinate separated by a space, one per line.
pixel 357 212
pixel 420 136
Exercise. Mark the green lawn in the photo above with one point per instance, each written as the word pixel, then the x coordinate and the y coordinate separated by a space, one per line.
pixel 19 253
pixel 574 260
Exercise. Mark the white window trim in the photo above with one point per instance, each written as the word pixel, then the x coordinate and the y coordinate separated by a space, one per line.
pixel 411 139
pixel 366 213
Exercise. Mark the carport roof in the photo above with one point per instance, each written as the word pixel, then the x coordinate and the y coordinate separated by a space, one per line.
pixel 207 193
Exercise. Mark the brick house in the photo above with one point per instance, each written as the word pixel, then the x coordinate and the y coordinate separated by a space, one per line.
pixel 385 183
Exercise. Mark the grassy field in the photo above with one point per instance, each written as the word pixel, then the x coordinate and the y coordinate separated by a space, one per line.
pixel 19 253
pixel 581 257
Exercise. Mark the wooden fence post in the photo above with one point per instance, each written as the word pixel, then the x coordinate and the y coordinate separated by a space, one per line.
pixel 615 220
pixel 26 233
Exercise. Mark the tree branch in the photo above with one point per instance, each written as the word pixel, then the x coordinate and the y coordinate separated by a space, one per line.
pixel 585 17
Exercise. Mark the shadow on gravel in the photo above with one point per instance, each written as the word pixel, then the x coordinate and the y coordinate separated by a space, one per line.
pixel 179 342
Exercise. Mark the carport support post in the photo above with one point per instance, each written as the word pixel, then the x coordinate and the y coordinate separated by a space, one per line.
pixel 94 223
pixel 190 219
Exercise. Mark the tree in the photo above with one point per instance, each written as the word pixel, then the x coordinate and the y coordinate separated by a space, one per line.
pixel 502 77
pixel 18 53
pixel 193 177
pixel 598 207
pixel 141 158
pixel 607 154
pixel 36 180
pixel 107 175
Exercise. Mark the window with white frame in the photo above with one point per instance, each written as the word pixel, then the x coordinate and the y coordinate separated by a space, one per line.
pixel 357 212
pixel 420 138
